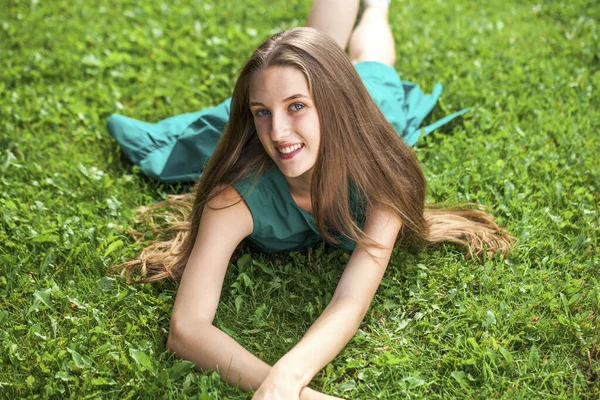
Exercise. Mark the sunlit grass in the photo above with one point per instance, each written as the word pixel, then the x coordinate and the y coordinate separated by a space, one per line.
pixel 440 326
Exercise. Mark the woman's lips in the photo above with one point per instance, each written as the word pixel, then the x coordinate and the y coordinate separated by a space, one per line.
pixel 287 156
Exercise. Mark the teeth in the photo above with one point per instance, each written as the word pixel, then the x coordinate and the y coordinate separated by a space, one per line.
pixel 287 150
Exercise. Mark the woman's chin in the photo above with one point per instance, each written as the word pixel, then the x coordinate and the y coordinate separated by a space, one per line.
pixel 291 172
pixel 294 173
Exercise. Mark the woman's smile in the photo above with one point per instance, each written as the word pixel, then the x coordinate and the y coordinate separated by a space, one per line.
pixel 290 152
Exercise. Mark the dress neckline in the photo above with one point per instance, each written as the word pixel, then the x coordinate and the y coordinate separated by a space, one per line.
pixel 285 189
pixel 280 180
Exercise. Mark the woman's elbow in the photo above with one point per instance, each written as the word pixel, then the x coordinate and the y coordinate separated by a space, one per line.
pixel 183 331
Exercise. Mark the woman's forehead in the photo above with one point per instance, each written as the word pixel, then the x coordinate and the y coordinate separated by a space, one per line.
pixel 277 83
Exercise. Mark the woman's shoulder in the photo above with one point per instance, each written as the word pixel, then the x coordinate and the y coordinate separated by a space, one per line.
pixel 258 198
pixel 228 203
pixel 260 194
pixel 225 194
pixel 261 188
pixel 278 224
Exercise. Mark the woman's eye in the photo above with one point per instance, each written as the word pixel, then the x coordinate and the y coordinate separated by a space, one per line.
pixel 297 106
pixel 261 112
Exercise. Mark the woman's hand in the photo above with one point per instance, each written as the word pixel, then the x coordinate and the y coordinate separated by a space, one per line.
pixel 275 393
pixel 278 386
pixel 309 394
pixel 306 394
pixel 284 390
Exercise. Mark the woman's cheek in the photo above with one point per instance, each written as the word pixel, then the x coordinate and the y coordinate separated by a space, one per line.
pixel 259 130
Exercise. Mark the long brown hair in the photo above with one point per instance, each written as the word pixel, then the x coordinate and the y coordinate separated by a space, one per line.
pixel 360 153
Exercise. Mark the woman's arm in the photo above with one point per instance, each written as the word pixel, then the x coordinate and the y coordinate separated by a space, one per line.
pixel 192 335
pixel 342 317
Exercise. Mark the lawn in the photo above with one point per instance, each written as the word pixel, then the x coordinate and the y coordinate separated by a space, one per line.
pixel 441 325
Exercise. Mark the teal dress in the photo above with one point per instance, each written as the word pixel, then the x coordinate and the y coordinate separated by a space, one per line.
pixel 177 148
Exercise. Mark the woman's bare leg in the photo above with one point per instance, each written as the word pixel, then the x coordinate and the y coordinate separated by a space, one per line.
pixel 372 39
pixel 335 18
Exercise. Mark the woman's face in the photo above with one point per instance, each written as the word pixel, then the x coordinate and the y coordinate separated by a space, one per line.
pixel 286 119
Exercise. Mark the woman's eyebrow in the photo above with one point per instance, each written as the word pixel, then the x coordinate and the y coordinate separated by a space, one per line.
pixel 294 96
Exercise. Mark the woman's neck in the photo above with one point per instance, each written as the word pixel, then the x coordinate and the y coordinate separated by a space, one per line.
pixel 300 185
pixel 300 190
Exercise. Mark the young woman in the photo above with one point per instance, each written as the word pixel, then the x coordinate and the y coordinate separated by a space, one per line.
pixel 307 149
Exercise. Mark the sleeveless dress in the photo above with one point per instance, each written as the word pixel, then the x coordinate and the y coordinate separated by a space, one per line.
pixel 177 148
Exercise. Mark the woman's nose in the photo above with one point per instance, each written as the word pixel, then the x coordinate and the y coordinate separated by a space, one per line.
pixel 280 126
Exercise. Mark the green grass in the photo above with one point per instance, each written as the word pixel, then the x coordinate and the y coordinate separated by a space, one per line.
pixel 440 326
